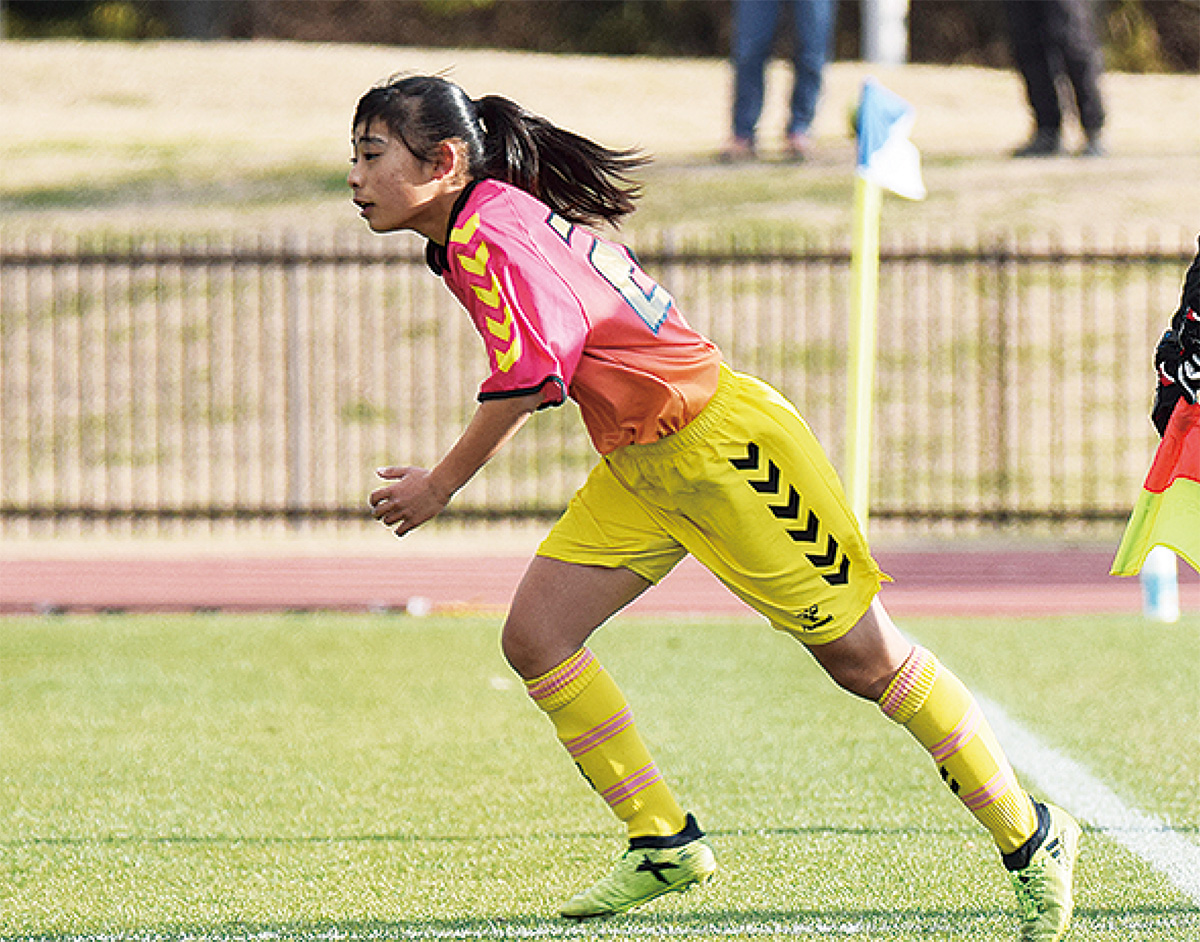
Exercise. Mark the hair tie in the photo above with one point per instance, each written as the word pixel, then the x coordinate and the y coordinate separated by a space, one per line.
pixel 478 116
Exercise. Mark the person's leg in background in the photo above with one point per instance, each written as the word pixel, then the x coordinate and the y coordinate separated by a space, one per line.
pixel 1036 61
pixel 1070 25
pixel 813 21
pixel 754 23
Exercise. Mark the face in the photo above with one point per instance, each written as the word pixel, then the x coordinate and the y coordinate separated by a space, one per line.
pixel 392 189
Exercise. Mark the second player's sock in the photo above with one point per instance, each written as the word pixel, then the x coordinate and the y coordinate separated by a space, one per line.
pixel 944 717
pixel 593 722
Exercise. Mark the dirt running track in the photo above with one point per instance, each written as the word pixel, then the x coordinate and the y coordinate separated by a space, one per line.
pixel 1060 581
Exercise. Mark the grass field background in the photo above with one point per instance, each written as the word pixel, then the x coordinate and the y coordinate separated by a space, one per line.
pixel 343 777
pixel 197 137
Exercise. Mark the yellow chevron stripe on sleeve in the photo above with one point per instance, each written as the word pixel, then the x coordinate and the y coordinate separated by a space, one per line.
pixel 489 296
pixel 501 329
pixel 462 234
pixel 475 264
pixel 505 361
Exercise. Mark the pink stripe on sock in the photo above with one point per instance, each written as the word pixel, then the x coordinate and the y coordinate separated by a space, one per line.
pixel 996 786
pixel 562 675
pixel 599 734
pixel 628 787
pixel 963 733
pixel 902 686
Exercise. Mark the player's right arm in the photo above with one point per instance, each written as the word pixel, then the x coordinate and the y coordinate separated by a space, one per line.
pixel 416 495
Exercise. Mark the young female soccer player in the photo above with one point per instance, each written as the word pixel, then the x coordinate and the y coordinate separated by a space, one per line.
pixel 696 458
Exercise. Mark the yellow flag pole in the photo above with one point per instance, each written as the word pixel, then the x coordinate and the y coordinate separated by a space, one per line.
pixel 864 273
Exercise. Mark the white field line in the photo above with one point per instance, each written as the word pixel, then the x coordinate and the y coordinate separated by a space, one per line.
pixel 1069 785
pixel 502 932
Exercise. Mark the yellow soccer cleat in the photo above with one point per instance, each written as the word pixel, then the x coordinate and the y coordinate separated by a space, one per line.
pixel 1044 886
pixel 646 871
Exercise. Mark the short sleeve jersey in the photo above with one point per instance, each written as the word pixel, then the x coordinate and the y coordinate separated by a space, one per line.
pixel 563 311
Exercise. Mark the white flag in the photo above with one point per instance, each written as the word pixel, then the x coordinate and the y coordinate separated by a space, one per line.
pixel 885 154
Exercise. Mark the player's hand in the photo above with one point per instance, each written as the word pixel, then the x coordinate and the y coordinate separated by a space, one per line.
pixel 1189 327
pixel 408 501
pixel 1178 365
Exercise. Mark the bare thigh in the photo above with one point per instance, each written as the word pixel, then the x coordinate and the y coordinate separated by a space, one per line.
pixel 556 608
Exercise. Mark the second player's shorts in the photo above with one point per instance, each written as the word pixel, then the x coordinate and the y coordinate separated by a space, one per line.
pixel 746 489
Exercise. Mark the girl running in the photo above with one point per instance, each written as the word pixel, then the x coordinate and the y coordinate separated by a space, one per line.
pixel 696 458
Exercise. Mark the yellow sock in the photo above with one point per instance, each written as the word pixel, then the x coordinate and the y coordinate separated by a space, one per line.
pixel 594 724
pixel 944 717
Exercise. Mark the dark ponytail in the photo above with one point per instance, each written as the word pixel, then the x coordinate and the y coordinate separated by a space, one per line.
pixel 579 179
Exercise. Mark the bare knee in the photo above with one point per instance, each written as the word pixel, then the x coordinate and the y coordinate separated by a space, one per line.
pixel 530 651
pixel 537 636
pixel 865 659
pixel 866 679
pixel 556 608
pixel 514 648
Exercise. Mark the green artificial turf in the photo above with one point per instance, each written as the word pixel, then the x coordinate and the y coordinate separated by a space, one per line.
pixel 372 777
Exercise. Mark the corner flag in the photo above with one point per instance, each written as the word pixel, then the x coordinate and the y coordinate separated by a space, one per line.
pixel 887 160
pixel 1167 512
pixel 885 154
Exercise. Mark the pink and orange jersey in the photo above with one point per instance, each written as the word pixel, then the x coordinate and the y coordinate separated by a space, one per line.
pixel 563 311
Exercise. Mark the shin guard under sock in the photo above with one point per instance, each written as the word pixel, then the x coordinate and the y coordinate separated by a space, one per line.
pixel 593 722
pixel 944 717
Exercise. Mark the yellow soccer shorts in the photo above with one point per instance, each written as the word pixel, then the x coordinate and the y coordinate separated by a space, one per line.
pixel 746 489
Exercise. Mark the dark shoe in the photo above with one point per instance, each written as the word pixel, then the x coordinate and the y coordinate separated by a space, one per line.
pixel 1094 147
pixel 1042 144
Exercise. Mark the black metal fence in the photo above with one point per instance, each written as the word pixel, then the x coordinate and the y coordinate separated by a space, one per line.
pixel 161 386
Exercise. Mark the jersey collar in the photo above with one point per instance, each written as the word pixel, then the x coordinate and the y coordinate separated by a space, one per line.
pixel 435 255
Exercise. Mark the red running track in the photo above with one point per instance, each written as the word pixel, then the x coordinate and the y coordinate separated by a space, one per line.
pixel 974 582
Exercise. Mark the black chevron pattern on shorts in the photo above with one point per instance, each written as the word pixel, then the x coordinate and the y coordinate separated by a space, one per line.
pixel 828 558
pixel 768 482
pixel 809 534
pixel 750 462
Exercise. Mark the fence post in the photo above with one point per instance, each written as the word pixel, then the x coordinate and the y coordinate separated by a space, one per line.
pixel 993 364
pixel 298 434
pixel 1004 329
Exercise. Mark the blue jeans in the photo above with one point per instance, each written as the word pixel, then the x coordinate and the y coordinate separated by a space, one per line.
pixel 754 24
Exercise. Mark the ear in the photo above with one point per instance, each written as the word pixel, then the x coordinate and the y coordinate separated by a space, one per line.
pixel 452 163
